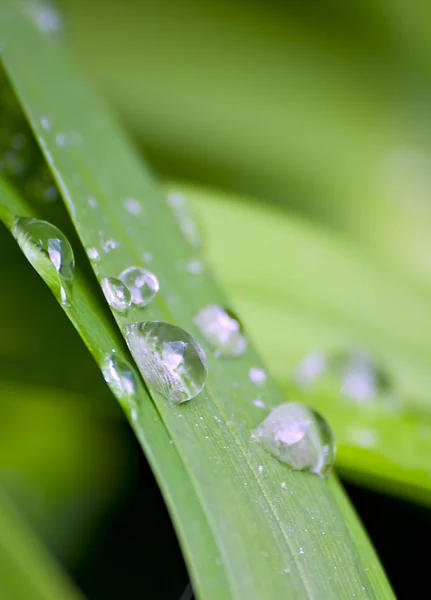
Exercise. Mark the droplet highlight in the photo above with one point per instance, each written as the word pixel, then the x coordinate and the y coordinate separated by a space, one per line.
pixel 170 360
pixel 221 331
pixel 143 285
pixel 116 293
pixel 298 436
pixel 120 377
pixel 38 238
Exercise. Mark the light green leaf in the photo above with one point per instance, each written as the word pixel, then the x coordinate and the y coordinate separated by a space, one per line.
pixel 302 290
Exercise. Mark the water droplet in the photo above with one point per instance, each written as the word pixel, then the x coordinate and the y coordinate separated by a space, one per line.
pixel 310 367
pixel 93 254
pixel 148 257
pixel 109 245
pixel 92 202
pixel 195 267
pixel 35 237
pixel 353 374
pixel 170 359
pixel 44 121
pixel 120 377
pixel 257 375
pixel 177 202
pixel 221 331
pixel 299 437
pixel 259 403
pixel 361 379
pixel 116 293
pixel 46 18
pixel 143 285
pixel 283 484
pixel 132 206
pixel 60 139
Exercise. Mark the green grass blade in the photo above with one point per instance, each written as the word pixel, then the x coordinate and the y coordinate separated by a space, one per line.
pixel 269 537
pixel 27 572
pixel 311 291
pixel 101 337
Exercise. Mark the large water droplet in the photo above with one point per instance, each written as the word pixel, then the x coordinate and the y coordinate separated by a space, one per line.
pixel 221 331
pixel 299 437
pixel 120 377
pixel 352 374
pixel 170 359
pixel 116 293
pixel 36 237
pixel 143 285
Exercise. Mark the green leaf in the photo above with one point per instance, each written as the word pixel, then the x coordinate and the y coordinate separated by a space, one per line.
pixel 244 534
pixel 26 570
pixel 102 339
pixel 302 290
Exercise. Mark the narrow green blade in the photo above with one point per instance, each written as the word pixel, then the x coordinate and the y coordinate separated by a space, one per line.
pixel 26 570
pixel 102 339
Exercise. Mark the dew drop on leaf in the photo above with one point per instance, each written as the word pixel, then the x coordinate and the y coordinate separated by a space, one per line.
pixel 170 360
pixel 299 437
pixel 221 330
pixel 143 285
pixel 38 238
pixel 352 374
pixel 132 206
pixel 93 254
pixel 120 377
pixel 116 293
pixel 257 376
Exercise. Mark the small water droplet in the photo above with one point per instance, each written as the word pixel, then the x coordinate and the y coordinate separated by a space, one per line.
pixel 132 206
pixel 44 121
pixel 148 257
pixel 120 377
pixel 195 267
pixel 171 361
pixel 177 202
pixel 35 237
pixel 260 469
pixel 299 437
pixel 301 551
pixel 143 285
pixel 92 202
pixel 286 570
pixel 310 367
pixel 221 331
pixel 283 484
pixel 109 245
pixel 353 374
pixel 116 293
pixel 60 139
pixel 93 253
pixel 257 375
pixel 46 18
pixel 259 403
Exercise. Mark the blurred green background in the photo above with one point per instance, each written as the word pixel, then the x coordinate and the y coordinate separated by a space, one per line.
pixel 321 108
